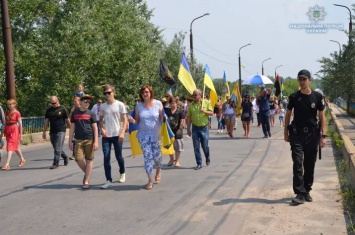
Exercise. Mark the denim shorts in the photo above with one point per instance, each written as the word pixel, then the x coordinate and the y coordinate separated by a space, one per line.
pixel 230 116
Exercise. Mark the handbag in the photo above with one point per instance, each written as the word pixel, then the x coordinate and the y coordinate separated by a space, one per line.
pixel 245 115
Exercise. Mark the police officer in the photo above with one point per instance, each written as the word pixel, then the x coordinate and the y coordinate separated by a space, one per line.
pixel 304 135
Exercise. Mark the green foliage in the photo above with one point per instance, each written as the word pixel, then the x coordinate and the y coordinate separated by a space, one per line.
pixel 58 44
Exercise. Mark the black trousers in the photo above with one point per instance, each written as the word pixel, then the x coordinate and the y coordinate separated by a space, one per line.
pixel 304 147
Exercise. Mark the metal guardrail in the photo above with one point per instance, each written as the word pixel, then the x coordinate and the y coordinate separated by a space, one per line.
pixel 32 124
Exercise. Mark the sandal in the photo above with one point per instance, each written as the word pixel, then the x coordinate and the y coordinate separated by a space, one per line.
pixel 171 162
pixel 86 186
pixel 5 167
pixel 149 186
pixel 157 178
pixel 177 164
pixel 22 162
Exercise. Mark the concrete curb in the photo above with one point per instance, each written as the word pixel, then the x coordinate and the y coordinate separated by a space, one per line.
pixel 348 148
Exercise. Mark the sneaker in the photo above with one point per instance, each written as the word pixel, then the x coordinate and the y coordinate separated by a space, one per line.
pixel 308 198
pixel 299 199
pixel 55 166
pixel 108 184
pixel 198 167
pixel 208 161
pixel 66 161
pixel 122 178
pixel 222 131
pixel 72 158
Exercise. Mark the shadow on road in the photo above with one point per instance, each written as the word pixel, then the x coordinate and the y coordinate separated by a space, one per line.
pixel 252 200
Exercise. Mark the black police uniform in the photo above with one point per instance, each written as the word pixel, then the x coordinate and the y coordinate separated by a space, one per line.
pixel 304 138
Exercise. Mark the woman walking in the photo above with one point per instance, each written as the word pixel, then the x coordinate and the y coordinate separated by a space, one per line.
pixel 149 117
pixel 229 113
pixel 13 133
pixel 247 113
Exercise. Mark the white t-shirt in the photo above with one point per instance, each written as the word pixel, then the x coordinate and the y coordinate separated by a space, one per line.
pixel 255 106
pixel 282 112
pixel 112 117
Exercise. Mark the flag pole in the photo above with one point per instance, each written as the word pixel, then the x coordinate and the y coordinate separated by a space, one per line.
pixel 203 94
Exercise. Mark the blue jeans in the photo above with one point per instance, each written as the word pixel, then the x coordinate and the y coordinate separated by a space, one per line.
pixel 265 123
pixel 200 135
pixel 219 120
pixel 57 141
pixel 106 148
pixel 98 129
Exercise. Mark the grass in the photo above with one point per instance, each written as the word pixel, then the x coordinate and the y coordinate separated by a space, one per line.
pixel 347 190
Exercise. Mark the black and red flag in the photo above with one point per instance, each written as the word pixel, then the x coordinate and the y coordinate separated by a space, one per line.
pixel 277 86
pixel 166 75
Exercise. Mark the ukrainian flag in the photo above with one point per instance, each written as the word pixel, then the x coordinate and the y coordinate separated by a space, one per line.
pixel 208 82
pixel 184 75
pixel 236 96
pixel 282 87
pixel 168 138
pixel 225 89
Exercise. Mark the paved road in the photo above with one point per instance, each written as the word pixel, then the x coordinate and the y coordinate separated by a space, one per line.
pixel 247 189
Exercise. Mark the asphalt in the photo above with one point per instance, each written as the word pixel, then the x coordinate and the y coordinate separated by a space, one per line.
pixel 247 189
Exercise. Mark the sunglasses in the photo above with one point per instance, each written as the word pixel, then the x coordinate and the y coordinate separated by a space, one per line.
pixel 87 101
pixel 107 92
pixel 53 103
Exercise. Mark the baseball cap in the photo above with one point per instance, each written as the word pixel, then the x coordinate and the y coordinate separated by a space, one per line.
pixel 87 97
pixel 304 74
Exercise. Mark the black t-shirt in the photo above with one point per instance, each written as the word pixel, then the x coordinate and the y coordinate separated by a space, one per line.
pixel 175 120
pixel 83 124
pixel 305 108
pixel 57 117
pixel 247 107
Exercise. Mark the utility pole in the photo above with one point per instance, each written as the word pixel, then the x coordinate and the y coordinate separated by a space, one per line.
pixel 7 40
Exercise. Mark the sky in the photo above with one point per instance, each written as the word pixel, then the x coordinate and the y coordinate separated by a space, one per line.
pixel 232 24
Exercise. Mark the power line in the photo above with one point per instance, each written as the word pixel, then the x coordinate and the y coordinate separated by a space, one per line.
pixel 215 58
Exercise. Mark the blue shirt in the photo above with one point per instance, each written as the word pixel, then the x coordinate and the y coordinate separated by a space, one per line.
pixel 149 122
pixel 264 104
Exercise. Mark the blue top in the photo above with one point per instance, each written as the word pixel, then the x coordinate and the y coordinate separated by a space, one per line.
pixel 264 104
pixel 149 122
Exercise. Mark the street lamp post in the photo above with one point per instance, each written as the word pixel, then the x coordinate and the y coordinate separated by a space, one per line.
pixel 338 44
pixel 350 22
pixel 262 66
pixel 240 72
pixel 191 39
pixel 276 69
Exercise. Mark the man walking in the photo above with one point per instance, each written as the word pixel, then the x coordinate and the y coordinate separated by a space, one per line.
pixel 264 111
pixel 304 135
pixel 113 112
pixel 198 113
pixel 56 116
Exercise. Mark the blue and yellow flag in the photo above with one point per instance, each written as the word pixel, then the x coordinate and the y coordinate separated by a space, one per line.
pixel 282 87
pixel 168 138
pixel 225 89
pixel 207 80
pixel 236 96
pixel 184 75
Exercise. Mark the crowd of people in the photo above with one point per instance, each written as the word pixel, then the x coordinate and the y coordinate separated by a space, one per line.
pixel 109 121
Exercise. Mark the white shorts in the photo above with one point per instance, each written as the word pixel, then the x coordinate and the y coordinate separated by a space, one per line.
pixel 179 145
